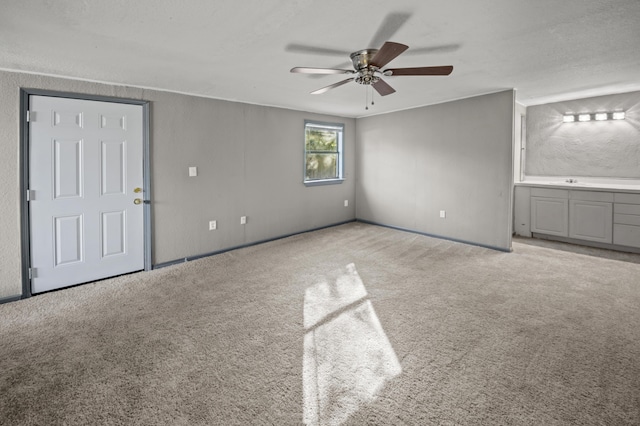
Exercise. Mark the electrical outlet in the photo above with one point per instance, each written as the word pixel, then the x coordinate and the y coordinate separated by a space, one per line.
pixel 193 171
pixel 243 220
pixel 213 225
pixel 443 214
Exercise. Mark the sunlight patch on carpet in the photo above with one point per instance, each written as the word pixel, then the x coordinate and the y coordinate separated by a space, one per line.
pixel 347 355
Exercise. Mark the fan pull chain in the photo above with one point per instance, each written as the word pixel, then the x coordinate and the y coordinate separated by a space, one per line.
pixel 366 98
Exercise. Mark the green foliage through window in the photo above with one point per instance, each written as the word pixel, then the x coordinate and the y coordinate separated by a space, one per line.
pixel 323 156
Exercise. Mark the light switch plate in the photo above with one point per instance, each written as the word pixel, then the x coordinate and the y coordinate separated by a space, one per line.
pixel 443 214
pixel 193 171
pixel 213 225
pixel 243 220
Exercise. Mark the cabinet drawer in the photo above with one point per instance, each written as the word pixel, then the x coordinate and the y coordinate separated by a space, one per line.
pixel 623 197
pixel 626 219
pixel 604 197
pixel 626 209
pixel 626 235
pixel 550 193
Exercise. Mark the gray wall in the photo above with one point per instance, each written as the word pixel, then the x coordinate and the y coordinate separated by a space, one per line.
pixel 249 161
pixel 455 156
pixel 608 149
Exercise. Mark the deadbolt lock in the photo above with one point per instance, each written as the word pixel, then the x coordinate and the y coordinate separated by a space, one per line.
pixel 137 190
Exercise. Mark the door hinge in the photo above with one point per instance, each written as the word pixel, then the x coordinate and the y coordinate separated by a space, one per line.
pixel 32 273
pixel 28 116
pixel 29 195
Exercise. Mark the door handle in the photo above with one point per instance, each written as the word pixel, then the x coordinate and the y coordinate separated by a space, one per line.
pixel 137 201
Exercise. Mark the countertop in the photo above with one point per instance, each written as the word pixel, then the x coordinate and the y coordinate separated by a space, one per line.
pixel 584 186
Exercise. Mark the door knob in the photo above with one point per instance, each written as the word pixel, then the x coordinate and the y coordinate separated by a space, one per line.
pixel 137 190
pixel 137 201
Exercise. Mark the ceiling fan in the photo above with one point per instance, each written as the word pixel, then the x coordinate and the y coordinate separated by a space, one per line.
pixel 368 66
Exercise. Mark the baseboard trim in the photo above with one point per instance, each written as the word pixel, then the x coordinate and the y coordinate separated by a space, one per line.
pixel 440 237
pixel 255 243
pixel 595 244
pixel 9 299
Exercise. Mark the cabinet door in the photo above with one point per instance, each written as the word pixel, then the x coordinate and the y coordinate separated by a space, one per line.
pixel 550 216
pixel 591 220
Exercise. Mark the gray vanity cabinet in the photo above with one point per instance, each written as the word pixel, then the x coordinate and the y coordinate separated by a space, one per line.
pixel 601 218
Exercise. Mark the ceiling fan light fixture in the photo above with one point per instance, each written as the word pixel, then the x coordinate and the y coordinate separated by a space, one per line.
pixel 367 77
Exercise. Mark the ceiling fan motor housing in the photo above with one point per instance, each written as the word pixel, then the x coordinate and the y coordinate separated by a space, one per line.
pixel 361 62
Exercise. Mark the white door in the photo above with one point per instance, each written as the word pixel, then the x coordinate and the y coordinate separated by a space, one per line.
pixel 85 176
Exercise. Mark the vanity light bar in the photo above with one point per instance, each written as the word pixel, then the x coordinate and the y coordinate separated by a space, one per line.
pixel 597 116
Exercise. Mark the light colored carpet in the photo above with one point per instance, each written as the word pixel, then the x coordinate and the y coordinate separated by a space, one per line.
pixel 355 324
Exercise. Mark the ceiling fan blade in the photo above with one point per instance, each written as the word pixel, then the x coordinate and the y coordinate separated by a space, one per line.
pixel 444 70
pixel 389 26
pixel 332 86
pixel 383 88
pixel 388 52
pixel 307 70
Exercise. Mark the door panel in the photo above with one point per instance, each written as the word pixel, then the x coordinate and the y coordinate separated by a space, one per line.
pixel 67 168
pixel 68 237
pixel 113 233
pixel 85 159
pixel 112 167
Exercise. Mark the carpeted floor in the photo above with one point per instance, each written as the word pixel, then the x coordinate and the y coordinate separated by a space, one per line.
pixel 353 325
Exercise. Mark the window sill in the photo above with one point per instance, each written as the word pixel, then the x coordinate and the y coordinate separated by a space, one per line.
pixel 323 182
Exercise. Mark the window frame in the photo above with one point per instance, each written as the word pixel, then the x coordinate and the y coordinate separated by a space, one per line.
pixel 339 127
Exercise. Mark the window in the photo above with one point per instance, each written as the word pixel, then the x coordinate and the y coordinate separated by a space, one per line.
pixel 322 153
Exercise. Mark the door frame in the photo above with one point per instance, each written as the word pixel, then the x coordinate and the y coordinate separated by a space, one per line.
pixel 25 233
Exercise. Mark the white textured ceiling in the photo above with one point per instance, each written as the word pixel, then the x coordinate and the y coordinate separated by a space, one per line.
pixel 243 50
